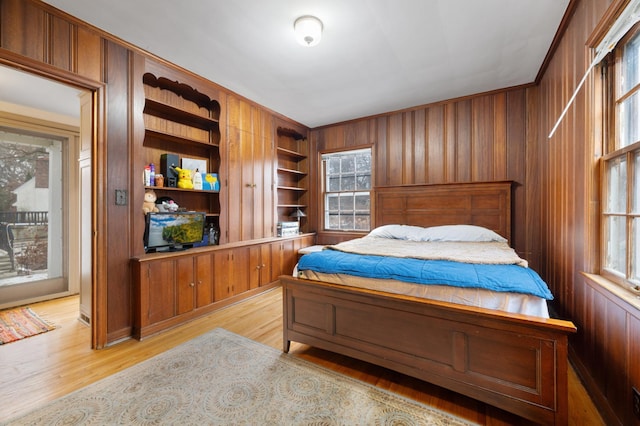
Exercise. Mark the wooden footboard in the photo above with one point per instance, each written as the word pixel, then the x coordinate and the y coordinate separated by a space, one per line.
pixel 513 362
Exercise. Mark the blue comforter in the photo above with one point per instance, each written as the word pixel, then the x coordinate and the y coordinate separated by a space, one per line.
pixel 503 278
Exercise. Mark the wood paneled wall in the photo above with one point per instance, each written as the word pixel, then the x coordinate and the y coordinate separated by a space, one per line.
pixel 481 138
pixel 605 349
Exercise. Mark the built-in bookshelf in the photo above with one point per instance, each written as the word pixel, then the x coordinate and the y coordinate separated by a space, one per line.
pixel 182 123
pixel 292 171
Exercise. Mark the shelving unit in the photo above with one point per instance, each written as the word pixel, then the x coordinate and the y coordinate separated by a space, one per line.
pixel 182 121
pixel 293 166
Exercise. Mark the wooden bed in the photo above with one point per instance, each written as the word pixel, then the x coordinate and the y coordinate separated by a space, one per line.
pixel 514 362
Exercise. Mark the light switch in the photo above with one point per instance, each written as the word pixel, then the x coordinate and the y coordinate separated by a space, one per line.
pixel 121 197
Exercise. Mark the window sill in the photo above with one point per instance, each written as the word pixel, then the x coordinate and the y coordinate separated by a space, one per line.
pixel 623 294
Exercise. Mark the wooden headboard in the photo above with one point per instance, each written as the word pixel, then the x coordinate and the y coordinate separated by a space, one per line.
pixel 485 204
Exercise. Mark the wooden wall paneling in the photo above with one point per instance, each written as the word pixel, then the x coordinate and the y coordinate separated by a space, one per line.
pixel 421 157
pixel 60 51
pixel 407 140
pixel 436 154
pixel 116 251
pixel 395 150
pixel 515 165
pixel 450 143
pixel 464 152
pixel 531 216
pixel 380 153
pixel 265 170
pixel 138 154
pixel 501 116
pixel 18 16
pixel 615 344
pixel 633 349
pixel 87 58
pixel 482 139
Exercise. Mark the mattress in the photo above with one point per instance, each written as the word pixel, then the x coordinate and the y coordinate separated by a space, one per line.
pixel 516 303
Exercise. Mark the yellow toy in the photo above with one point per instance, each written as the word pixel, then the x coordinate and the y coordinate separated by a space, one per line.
pixel 184 178
pixel 149 204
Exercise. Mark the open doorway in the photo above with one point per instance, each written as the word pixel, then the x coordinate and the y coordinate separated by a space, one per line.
pixel 43 197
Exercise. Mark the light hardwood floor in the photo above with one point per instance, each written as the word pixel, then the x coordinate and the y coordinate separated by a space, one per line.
pixel 44 367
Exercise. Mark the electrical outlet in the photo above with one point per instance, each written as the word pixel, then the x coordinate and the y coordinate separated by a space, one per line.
pixel 636 402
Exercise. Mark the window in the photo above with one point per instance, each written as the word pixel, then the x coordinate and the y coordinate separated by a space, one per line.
pixel 347 190
pixel 621 167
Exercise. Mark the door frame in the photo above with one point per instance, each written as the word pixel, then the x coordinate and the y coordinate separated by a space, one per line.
pixel 98 174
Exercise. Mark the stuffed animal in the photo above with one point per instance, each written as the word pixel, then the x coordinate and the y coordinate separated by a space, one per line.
pixel 184 178
pixel 149 204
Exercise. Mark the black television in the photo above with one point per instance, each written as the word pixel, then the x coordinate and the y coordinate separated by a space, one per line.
pixel 171 231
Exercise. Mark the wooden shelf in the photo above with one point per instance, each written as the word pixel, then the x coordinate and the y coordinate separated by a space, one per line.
pixel 168 112
pixel 176 139
pixel 291 205
pixel 295 172
pixel 170 188
pixel 292 188
pixel 291 153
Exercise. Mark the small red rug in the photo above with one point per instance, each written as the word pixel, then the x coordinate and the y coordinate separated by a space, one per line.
pixel 19 323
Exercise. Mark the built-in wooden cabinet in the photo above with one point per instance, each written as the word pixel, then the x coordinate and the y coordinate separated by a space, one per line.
pixel 171 288
pixel 194 282
pixel 231 275
pixel 248 173
pixel 292 173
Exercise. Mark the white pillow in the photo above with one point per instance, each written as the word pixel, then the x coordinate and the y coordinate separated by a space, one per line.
pixel 471 233
pixel 398 232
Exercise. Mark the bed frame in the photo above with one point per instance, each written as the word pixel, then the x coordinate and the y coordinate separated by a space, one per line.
pixel 514 362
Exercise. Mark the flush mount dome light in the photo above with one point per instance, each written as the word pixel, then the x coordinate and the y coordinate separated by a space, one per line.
pixel 308 30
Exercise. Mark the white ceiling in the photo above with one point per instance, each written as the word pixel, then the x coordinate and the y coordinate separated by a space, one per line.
pixel 376 56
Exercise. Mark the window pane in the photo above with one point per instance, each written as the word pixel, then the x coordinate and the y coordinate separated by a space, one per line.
pixel 362 202
pixel 635 252
pixel 348 165
pixel 363 182
pixel 628 119
pixel 616 247
pixel 332 202
pixel 363 222
pixel 334 166
pixel 616 201
pixel 635 190
pixel 334 183
pixel 346 203
pixel 348 183
pixel 631 64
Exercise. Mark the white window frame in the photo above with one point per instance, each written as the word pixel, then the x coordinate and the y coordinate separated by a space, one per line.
pixel 327 194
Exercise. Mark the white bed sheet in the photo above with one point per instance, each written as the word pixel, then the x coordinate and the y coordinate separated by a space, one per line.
pixel 508 302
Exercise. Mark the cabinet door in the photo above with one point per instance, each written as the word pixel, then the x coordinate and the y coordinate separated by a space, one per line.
pixel 204 280
pixel 283 258
pixel 185 285
pixel 160 296
pixel 265 270
pixel 240 270
pixel 255 266
pixel 222 278
pixel 250 168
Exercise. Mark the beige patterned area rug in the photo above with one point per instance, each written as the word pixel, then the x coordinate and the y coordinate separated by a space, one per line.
pixel 222 378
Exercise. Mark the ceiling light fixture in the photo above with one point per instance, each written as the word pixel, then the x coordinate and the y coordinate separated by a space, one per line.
pixel 308 30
